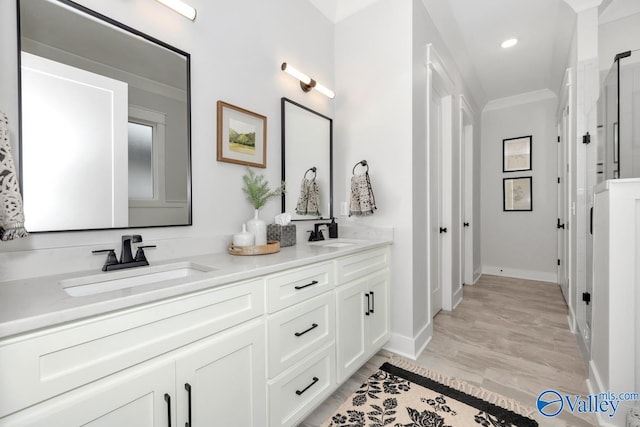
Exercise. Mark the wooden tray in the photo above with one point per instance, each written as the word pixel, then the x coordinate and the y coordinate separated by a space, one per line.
pixel 269 248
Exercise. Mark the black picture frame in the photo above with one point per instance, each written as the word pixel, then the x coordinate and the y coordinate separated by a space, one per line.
pixel 517 194
pixel 517 154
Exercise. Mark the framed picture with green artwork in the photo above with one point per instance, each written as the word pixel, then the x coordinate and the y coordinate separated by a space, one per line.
pixel 242 136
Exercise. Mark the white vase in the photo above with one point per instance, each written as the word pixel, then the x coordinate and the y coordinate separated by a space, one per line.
pixel 258 228
pixel 243 239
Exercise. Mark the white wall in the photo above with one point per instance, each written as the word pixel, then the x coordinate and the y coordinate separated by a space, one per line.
pixel 380 65
pixel 617 37
pixel 241 67
pixel 373 122
pixel 520 244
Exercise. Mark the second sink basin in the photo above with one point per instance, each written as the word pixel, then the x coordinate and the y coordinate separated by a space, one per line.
pixel 123 279
pixel 337 243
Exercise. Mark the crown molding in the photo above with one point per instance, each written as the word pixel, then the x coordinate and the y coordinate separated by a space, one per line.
pixel 523 98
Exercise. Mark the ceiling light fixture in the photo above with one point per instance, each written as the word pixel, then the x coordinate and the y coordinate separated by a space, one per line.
pixel 509 43
pixel 180 7
pixel 306 82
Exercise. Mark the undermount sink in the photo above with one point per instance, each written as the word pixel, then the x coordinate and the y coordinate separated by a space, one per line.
pixel 123 279
pixel 337 243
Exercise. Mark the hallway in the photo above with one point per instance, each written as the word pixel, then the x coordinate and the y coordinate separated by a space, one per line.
pixel 507 335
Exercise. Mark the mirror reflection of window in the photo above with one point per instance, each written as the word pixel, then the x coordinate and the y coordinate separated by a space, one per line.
pixel 140 161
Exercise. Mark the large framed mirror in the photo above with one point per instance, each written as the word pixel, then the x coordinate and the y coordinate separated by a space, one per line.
pixel 105 122
pixel 307 162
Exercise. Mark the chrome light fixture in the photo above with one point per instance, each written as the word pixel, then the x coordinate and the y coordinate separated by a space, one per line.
pixel 306 82
pixel 181 7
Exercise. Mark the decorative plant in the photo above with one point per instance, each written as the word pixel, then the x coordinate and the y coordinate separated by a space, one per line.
pixel 257 189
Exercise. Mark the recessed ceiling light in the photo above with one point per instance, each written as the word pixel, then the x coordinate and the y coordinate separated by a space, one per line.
pixel 509 43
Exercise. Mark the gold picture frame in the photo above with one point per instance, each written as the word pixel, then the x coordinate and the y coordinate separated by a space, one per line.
pixel 242 136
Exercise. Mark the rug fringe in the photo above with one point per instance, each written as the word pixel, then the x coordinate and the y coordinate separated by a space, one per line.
pixel 463 386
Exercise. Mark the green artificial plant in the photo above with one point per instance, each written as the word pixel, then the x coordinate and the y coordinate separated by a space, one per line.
pixel 257 189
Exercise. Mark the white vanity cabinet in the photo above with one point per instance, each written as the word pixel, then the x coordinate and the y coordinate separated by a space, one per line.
pixel 134 397
pixel 301 336
pixel 362 306
pixel 257 353
pixel 121 366
pixel 219 380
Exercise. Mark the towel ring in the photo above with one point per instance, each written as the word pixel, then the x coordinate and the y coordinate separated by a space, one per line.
pixel 361 162
pixel 311 169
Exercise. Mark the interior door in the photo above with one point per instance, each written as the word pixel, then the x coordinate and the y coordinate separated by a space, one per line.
pixel 435 204
pixel 561 225
pixel 467 204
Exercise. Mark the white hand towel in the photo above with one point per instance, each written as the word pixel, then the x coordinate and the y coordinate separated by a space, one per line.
pixel 362 200
pixel 11 213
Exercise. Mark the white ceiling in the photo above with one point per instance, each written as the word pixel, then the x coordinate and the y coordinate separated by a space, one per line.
pixel 474 29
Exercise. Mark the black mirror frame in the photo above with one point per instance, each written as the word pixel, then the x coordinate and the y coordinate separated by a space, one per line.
pixel 283 137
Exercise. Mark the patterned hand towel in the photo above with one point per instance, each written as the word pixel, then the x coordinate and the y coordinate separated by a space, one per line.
pixel 309 199
pixel 11 213
pixel 362 200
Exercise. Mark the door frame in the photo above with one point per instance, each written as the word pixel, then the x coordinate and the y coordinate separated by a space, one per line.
pixel 440 84
pixel 565 132
pixel 466 193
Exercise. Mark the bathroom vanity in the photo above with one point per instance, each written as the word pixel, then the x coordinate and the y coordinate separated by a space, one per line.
pixel 242 341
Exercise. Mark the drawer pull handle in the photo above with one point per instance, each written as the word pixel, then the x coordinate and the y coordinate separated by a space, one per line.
pixel 315 282
pixel 167 399
pixel 313 326
pixel 373 302
pixel 187 387
pixel 299 392
pixel 368 304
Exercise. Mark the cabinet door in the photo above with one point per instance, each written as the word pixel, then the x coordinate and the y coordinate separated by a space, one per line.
pixel 351 307
pixel 135 397
pixel 222 380
pixel 378 320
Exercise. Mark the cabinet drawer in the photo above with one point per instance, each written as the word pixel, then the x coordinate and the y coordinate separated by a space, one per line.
pixel 294 286
pixel 298 331
pixel 299 390
pixel 48 363
pixel 356 266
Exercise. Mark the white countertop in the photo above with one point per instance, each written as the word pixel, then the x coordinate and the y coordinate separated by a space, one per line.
pixel 31 304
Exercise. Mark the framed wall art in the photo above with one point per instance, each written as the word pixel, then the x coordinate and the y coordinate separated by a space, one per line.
pixel 516 154
pixel 517 194
pixel 242 136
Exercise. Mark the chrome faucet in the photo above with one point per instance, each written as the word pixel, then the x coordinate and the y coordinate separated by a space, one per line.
pixel 126 258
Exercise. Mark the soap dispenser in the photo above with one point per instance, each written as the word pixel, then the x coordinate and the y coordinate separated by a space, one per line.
pixel 333 229
pixel 244 238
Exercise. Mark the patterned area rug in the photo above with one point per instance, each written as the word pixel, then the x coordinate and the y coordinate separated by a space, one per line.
pixel 406 395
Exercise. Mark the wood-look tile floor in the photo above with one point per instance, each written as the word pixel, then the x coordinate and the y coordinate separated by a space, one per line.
pixel 509 336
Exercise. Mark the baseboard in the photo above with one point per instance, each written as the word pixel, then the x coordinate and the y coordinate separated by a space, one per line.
pixel 596 387
pixel 457 298
pixel 476 276
pixel 408 347
pixel 571 319
pixel 541 276
pixel 423 338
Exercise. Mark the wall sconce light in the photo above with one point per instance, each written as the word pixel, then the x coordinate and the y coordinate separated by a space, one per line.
pixel 306 82
pixel 180 7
